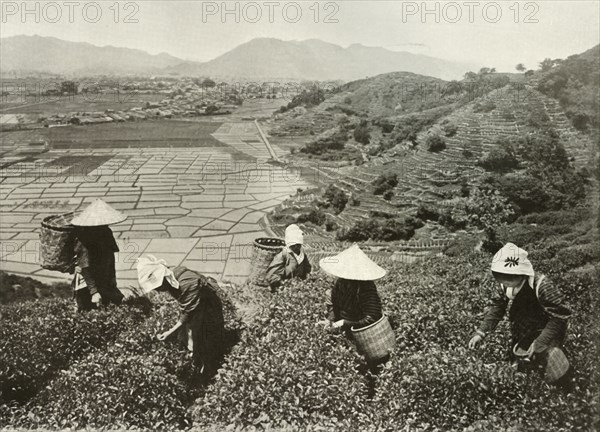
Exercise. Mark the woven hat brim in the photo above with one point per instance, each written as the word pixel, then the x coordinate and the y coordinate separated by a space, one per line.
pixel 98 213
pixel 97 221
pixel 366 271
pixel 100 222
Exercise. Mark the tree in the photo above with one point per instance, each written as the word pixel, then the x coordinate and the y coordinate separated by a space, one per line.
pixel 450 129
pixel 361 133
pixel 520 67
pixel 336 198
pixel 208 83
pixel 488 209
pixel 384 183
pixel 486 71
pixel 211 109
pixel 435 143
pixel 315 216
pixel 335 141
pixel 501 158
pixel 546 64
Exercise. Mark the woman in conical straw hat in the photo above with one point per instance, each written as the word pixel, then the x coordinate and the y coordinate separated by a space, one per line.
pixel 201 321
pixel 95 279
pixel 538 314
pixel 292 261
pixel 354 301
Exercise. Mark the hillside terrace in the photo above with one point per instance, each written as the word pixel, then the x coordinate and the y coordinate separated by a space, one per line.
pixel 426 177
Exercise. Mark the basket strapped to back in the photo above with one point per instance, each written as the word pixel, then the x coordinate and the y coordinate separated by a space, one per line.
pixel 376 340
pixel 57 240
pixel 264 250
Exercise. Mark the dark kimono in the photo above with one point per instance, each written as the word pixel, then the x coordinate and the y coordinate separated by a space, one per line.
pixel 542 317
pixel 95 249
pixel 356 302
pixel 201 311
pixel 284 266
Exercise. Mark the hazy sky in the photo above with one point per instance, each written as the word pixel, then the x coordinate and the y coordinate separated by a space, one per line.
pixel 480 32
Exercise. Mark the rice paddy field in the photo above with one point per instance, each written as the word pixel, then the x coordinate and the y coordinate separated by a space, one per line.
pixel 147 134
pixel 48 105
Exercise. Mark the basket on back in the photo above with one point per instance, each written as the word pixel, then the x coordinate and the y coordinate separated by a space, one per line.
pixel 264 250
pixel 57 238
pixel 375 341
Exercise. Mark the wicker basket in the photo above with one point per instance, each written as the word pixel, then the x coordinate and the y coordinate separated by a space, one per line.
pixel 375 341
pixel 264 250
pixel 57 240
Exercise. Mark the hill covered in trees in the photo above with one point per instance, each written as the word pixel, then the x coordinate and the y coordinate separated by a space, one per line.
pixel 459 151
pixel 575 83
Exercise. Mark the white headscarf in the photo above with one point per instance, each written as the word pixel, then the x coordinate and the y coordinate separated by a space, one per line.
pixel 294 236
pixel 152 272
pixel 513 260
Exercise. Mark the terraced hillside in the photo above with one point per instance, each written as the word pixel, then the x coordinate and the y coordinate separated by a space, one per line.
pixel 426 177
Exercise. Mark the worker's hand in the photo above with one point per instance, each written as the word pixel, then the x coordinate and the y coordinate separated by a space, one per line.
pixel 323 323
pixel 96 299
pixel 475 341
pixel 77 269
pixel 338 324
pixel 531 351
pixel 162 336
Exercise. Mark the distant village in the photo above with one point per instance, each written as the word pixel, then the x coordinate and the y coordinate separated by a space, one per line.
pixel 182 98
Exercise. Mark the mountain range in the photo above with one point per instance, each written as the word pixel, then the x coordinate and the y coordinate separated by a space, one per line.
pixel 261 58
pixel 52 55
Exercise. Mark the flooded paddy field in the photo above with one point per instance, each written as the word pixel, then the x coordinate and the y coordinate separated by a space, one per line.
pixel 194 192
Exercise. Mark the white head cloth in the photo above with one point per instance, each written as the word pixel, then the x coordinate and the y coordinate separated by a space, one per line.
pixel 513 260
pixel 152 271
pixel 293 235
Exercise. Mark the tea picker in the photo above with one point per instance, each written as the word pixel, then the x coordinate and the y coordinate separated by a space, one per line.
pixel 95 248
pixel 538 316
pixel 201 324
pixel 355 306
pixel 84 245
pixel 291 261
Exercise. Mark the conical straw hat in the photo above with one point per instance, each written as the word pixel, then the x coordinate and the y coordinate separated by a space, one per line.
pixel 352 264
pixel 98 213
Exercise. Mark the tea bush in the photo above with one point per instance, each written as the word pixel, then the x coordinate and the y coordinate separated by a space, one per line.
pixel 381 228
pixel 16 288
pixel 107 370
pixel 289 371
pixel 39 339
pixel 135 381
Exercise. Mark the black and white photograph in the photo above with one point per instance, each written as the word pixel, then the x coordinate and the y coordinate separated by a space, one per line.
pixel 312 216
